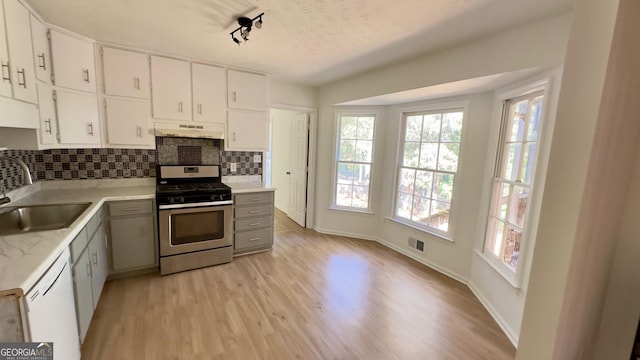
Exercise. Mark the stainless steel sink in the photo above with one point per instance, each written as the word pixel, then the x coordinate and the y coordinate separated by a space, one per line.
pixel 32 218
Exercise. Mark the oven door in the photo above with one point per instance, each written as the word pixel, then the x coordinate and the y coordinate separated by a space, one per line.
pixel 187 229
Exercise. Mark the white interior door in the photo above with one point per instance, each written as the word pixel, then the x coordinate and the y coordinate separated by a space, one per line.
pixel 298 177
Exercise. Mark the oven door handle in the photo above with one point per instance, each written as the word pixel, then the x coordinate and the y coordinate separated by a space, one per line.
pixel 195 205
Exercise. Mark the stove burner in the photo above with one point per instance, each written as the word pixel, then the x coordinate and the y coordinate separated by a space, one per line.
pixel 175 188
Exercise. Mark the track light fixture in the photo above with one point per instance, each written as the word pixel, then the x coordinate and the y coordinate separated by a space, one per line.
pixel 245 27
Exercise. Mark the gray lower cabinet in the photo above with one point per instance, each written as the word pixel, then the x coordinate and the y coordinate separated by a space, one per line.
pixel 253 222
pixel 90 269
pixel 132 233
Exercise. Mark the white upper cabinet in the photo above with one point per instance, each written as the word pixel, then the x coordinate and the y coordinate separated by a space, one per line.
pixel 73 62
pixel 246 91
pixel 78 122
pixel 247 131
pixel 41 53
pixel 5 83
pixel 21 66
pixel 209 90
pixel 128 122
pixel 47 108
pixel 171 88
pixel 126 73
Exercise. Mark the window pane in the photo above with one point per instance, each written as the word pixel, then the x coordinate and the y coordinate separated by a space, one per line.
pixel 360 197
pixel 428 156
pixel 404 205
pixel 348 127
pixel 424 181
pixel 512 239
pixel 407 179
pixel 347 150
pixel 343 195
pixel 411 154
pixel 421 210
pixel 517 128
pixel 518 208
pixel 452 127
pixel 512 161
pixel 361 174
pixel 503 200
pixel 365 128
pixel 448 156
pixel 363 150
pixel 534 120
pixel 345 173
pixel 443 187
pixel 439 215
pixel 431 127
pixel 495 236
pixel 528 163
pixel 414 128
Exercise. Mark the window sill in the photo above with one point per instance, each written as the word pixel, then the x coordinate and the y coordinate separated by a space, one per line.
pixel 414 227
pixel 502 270
pixel 355 211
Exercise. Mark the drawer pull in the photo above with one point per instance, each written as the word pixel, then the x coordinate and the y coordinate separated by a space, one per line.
pixel 255 239
pixel 254 224
pixel 131 209
pixel 254 212
pixel 254 199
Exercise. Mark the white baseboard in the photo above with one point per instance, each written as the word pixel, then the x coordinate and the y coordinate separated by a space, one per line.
pixel 511 335
pixel 508 331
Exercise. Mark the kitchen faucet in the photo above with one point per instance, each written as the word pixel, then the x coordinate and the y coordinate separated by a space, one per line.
pixel 26 176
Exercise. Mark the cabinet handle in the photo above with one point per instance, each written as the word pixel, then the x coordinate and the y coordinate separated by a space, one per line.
pixel 22 83
pixel 131 209
pixel 89 272
pixel 136 83
pixel 180 106
pixel 48 127
pixel 255 239
pixel 7 77
pixel 85 76
pixel 200 109
pixel 254 224
pixel 234 136
pixel 234 96
pixel 43 63
pixel 139 131
pixel 90 129
pixel 95 258
pixel 254 212
pixel 254 199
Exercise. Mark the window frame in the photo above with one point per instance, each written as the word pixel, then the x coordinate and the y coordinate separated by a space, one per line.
pixel 442 107
pixel 339 114
pixel 544 85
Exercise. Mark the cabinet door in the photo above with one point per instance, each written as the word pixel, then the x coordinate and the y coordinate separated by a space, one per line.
pixel 132 242
pixel 171 88
pixel 126 73
pixel 48 124
pixel 73 63
pixel 247 130
pixel 209 93
pixel 5 82
pixel 23 79
pixel 77 118
pixel 83 293
pixel 246 91
pixel 98 256
pixel 128 122
pixel 41 53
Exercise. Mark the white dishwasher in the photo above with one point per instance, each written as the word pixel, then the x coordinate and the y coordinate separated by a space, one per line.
pixel 51 310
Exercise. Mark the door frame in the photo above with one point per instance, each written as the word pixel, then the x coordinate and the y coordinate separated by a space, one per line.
pixel 311 155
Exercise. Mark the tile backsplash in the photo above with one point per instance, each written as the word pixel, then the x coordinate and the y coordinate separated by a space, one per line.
pixel 77 164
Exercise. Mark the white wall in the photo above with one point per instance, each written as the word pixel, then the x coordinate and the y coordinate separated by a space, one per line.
pixel 540 45
pixel 280 155
pixel 283 94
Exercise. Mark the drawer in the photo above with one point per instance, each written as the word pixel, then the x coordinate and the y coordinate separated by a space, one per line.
pixel 250 211
pixel 78 244
pixel 123 208
pixel 254 223
pixel 94 223
pixel 251 239
pixel 254 198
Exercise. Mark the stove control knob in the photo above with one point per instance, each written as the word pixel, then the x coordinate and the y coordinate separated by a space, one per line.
pixel 180 200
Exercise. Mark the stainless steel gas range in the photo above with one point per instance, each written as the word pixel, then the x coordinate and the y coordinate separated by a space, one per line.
pixel 195 217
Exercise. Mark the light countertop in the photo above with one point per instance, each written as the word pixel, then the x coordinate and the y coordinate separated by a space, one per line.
pixel 250 186
pixel 26 257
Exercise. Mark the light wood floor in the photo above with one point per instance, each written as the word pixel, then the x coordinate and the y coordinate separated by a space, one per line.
pixel 314 296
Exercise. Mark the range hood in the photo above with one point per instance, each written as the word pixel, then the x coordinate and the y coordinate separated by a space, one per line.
pixel 201 131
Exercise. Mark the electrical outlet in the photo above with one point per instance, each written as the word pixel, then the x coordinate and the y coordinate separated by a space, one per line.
pixel 257 158
pixel 233 167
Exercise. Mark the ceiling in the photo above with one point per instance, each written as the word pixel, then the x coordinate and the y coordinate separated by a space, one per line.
pixel 311 42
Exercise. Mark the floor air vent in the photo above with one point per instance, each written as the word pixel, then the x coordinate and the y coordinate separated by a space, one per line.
pixel 416 244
